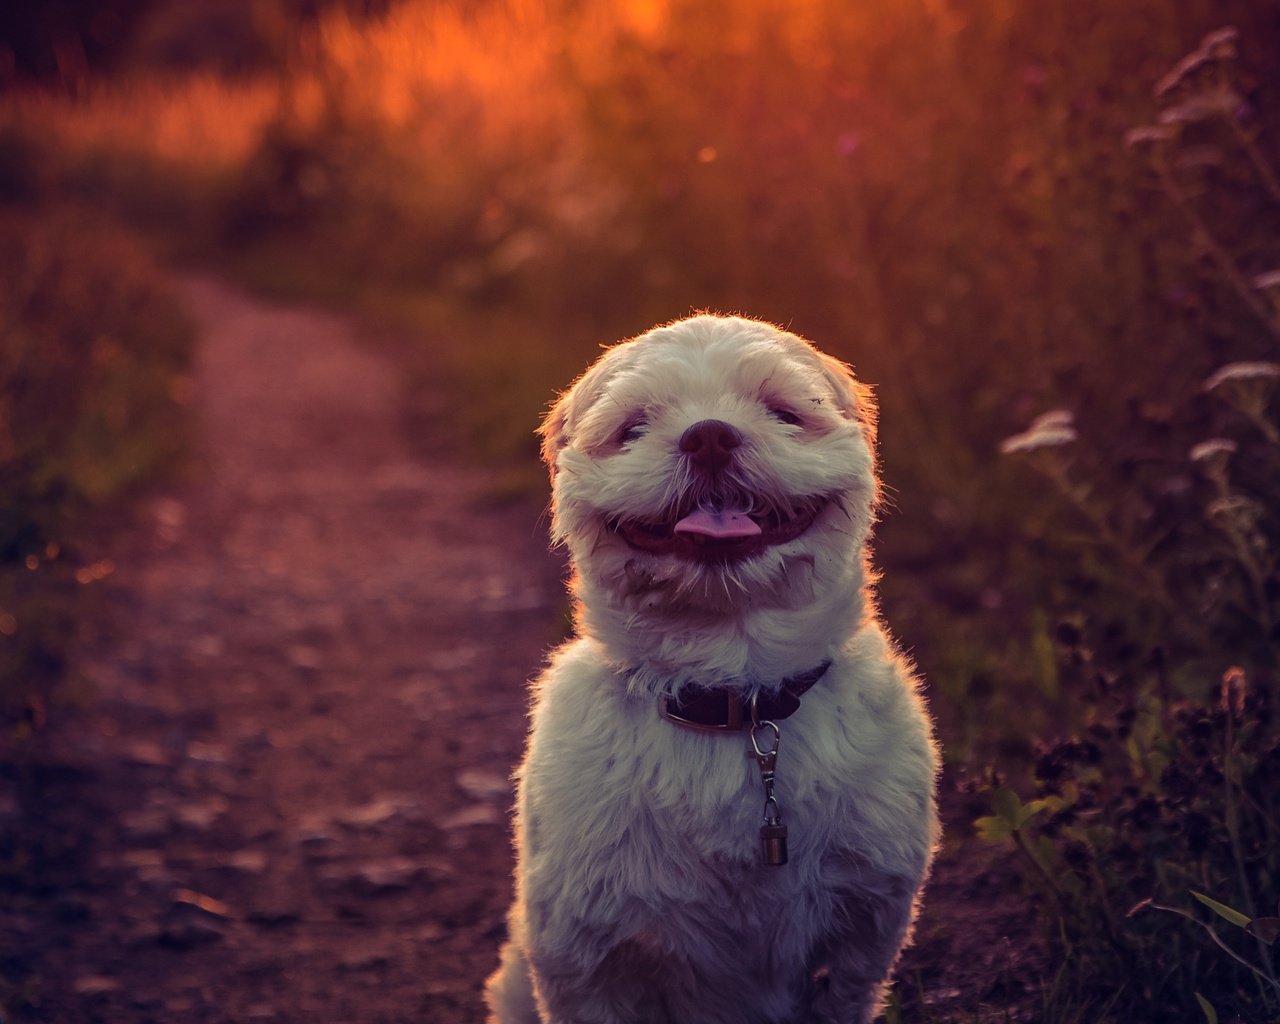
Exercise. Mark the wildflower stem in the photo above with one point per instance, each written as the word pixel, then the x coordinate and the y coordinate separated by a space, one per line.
pixel 1060 897
pixel 1268 177
pixel 1258 418
pixel 1270 979
pixel 1265 172
pixel 1229 762
pixel 1255 573
pixel 1122 548
pixel 1225 261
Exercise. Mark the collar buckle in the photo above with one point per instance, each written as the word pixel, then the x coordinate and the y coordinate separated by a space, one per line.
pixel 669 708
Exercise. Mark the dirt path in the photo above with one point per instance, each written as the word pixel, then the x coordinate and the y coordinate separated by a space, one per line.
pixel 287 800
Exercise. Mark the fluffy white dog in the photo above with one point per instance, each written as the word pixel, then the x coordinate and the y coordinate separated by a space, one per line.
pixel 726 810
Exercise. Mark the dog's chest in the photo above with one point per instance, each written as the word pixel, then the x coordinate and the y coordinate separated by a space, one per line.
pixel 660 798
pixel 648 838
pixel 631 803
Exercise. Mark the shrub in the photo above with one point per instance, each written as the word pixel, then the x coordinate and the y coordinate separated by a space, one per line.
pixel 93 362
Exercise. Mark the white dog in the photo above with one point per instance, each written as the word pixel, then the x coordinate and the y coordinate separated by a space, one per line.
pixel 726 810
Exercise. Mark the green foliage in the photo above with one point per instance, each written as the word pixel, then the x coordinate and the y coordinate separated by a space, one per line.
pixel 93 357
pixel 1155 804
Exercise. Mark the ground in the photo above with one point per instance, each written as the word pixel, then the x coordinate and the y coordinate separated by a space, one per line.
pixel 285 796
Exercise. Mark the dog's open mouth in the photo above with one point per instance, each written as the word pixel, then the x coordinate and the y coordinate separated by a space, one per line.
pixel 719 534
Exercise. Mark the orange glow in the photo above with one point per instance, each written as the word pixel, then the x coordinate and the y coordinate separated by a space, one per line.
pixel 95 572
pixel 428 72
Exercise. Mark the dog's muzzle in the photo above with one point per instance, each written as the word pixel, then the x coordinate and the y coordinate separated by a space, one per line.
pixel 709 445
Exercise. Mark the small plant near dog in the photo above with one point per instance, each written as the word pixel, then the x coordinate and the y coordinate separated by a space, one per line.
pixel 1264 929
pixel 1157 812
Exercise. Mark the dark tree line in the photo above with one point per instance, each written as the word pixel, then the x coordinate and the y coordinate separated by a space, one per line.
pixel 48 41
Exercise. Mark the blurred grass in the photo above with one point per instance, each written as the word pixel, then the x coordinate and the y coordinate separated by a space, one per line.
pixel 938 192
pixel 93 362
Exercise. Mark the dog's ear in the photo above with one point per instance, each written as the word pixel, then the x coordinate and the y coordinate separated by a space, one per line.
pixel 558 426
pixel 856 400
pixel 552 430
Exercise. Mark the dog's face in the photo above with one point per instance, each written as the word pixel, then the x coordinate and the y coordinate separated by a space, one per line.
pixel 712 463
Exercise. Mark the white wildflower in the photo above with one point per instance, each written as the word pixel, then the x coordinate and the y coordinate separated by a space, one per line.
pixel 1221 43
pixel 1217 45
pixel 1212 448
pixel 1055 419
pixel 1243 511
pixel 1242 371
pixel 1048 430
pixel 1186 67
pixel 1221 102
pixel 1148 133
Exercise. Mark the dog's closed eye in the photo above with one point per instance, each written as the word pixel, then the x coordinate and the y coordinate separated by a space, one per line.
pixel 634 429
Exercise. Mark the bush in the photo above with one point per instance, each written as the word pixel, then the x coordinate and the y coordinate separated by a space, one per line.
pixel 1155 807
pixel 93 361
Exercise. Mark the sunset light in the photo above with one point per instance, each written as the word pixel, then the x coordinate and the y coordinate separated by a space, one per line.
pixel 298 304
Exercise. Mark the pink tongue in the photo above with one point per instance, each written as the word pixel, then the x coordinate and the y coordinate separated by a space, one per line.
pixel 718 524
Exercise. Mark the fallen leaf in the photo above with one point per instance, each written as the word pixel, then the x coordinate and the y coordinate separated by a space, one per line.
pixel 94 984
pixel 146 752
pixel 476 814
pixel 191 898
pixel 202 815
pixel 377 811
pixel 252 862
pixel 481 784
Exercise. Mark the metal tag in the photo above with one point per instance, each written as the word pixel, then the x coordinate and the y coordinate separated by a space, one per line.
pixel 773 843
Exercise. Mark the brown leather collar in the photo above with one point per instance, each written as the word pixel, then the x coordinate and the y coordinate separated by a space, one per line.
pixel 728 708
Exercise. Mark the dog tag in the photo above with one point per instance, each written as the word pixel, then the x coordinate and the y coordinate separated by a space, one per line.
pixel 773 842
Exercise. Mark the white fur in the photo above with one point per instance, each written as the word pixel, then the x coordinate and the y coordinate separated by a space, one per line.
pixel 640 892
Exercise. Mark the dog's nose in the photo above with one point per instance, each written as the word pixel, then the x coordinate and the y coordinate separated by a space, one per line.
pixel 710 444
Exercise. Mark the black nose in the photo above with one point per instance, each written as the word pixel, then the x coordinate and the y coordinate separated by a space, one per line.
pixel 710 444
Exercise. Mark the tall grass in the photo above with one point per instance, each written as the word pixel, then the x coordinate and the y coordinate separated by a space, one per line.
pixel 93 364
pixel 1164 808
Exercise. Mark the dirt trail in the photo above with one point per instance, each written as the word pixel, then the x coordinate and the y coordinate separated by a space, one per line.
pixel 287 800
